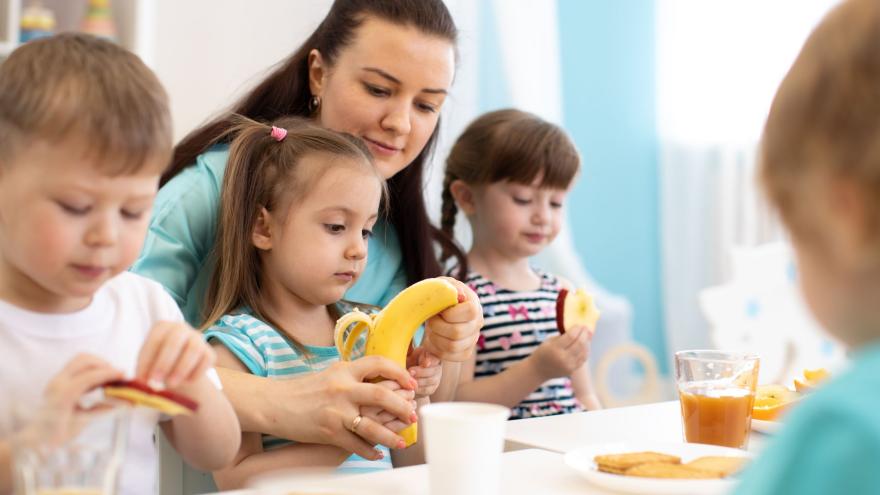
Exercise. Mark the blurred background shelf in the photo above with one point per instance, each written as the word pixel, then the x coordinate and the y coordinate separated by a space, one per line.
pixel 131 18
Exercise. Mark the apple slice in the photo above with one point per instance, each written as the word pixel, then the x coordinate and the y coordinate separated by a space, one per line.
pixel 575 309
pixel 141 394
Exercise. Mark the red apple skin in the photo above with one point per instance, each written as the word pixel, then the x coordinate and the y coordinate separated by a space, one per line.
pixel 143 387
pixel 560 310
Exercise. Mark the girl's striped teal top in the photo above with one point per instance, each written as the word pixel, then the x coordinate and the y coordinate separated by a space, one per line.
pixel 267 352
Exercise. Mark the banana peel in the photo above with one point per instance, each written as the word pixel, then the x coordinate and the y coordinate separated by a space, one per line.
pixel 391 330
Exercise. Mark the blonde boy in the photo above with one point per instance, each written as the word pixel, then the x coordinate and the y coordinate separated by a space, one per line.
pixel 84 135
pixel 821 168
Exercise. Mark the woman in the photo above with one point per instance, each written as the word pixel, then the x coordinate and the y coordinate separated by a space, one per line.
pixel 380 70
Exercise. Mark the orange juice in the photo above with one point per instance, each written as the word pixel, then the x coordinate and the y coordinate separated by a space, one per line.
pixel 716 416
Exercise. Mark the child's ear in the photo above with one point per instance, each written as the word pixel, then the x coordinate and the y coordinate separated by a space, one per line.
pixel 850 225
pixel 262 235
pixel 463 195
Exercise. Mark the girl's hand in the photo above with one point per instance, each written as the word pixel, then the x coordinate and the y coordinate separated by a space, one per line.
pixel 426 369
pixel 561 355
pixel 174 354
pixel 452 334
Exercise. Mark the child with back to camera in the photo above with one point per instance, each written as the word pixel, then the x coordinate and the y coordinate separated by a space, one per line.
pixel 820 167
pixel 509 173
pixel 298 206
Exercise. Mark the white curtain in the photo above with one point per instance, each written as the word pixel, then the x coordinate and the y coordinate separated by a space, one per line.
pixel 718 65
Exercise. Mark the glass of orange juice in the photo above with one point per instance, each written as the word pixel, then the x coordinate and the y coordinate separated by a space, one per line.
pixel 65 454
pixel 716 390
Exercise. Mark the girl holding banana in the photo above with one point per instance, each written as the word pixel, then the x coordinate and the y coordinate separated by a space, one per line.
pixel 379 70
pixel 297 209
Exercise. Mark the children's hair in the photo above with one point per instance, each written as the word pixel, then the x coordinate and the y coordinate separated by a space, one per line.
pixel 507 145
pixel 285 91
pixel 76 86
pixel 824 122
pixel 263 172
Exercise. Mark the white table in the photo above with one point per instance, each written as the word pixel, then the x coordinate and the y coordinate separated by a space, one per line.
pixel 533 462
pixel 523 472
pixel 657 422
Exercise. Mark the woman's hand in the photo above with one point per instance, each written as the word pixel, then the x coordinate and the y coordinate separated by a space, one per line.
pixel 322 407
pixel 452 334
pixel 345 392
pixel 385 418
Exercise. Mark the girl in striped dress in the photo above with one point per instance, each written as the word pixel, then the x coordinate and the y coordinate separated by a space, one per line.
pixel 297 206
pixel 509 173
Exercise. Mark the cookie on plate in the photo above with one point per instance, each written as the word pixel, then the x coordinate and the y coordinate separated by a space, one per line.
pixel 619 463
pixel 723 465
pixel 666 470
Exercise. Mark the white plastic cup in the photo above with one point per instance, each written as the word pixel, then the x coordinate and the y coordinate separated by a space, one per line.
pixel 463 445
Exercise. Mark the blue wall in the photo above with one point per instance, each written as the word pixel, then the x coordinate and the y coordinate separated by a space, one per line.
pixel 608 66
pixel 609 104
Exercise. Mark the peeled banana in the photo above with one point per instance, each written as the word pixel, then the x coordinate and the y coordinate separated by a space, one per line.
pixel 390 331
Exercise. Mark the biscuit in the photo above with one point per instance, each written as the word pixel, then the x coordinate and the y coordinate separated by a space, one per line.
pixel 618 463
pixel 723 465
pixel 666 470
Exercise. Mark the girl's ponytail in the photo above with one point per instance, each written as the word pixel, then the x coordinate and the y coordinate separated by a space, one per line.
pixel 261 172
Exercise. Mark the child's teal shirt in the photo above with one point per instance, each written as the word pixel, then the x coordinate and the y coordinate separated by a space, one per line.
pixel 183 228
pixel 830 443
pixel 268 353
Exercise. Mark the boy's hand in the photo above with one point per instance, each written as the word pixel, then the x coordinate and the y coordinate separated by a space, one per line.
pixel 174 354
pixel 561 355
pixel 61 417
pixel 82 373
pixel 426 369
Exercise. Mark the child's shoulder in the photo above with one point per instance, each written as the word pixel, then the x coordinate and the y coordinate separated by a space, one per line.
pixel 482 285
pixel 848 401
pixel 135 292
pixel 831 439
pixel 853 392
pixel 242 321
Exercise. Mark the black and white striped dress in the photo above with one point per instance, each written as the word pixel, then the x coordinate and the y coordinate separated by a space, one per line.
pixel 516 322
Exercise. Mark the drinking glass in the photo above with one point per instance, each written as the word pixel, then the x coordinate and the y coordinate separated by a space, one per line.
pixel 64 454
pixel 716 390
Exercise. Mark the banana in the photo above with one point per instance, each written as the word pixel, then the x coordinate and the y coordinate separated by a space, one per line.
pixel 390 331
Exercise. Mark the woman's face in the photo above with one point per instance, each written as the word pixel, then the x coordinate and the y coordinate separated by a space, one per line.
pixel 386 87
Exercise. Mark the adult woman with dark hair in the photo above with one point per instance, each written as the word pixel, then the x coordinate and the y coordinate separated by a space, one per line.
pixel 379 70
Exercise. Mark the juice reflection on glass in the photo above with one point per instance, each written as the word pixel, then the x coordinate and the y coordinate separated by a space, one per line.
pixel 716 391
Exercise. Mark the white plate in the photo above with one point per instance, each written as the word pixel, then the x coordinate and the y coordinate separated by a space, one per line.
pixel 765 426
pixel 581 460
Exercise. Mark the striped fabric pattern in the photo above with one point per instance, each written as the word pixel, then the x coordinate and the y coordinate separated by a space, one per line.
pixel 267 352
pixel 515 324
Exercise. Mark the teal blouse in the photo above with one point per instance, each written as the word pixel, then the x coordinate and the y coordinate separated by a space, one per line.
pixel 830 443
pixel 184 225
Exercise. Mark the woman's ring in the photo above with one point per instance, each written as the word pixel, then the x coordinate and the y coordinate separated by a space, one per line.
pixel 355 422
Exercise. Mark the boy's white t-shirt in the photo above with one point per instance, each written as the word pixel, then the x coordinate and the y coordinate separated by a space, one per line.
pixel 34 347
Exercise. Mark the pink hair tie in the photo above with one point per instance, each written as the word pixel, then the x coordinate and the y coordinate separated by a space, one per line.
pixel 278 133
